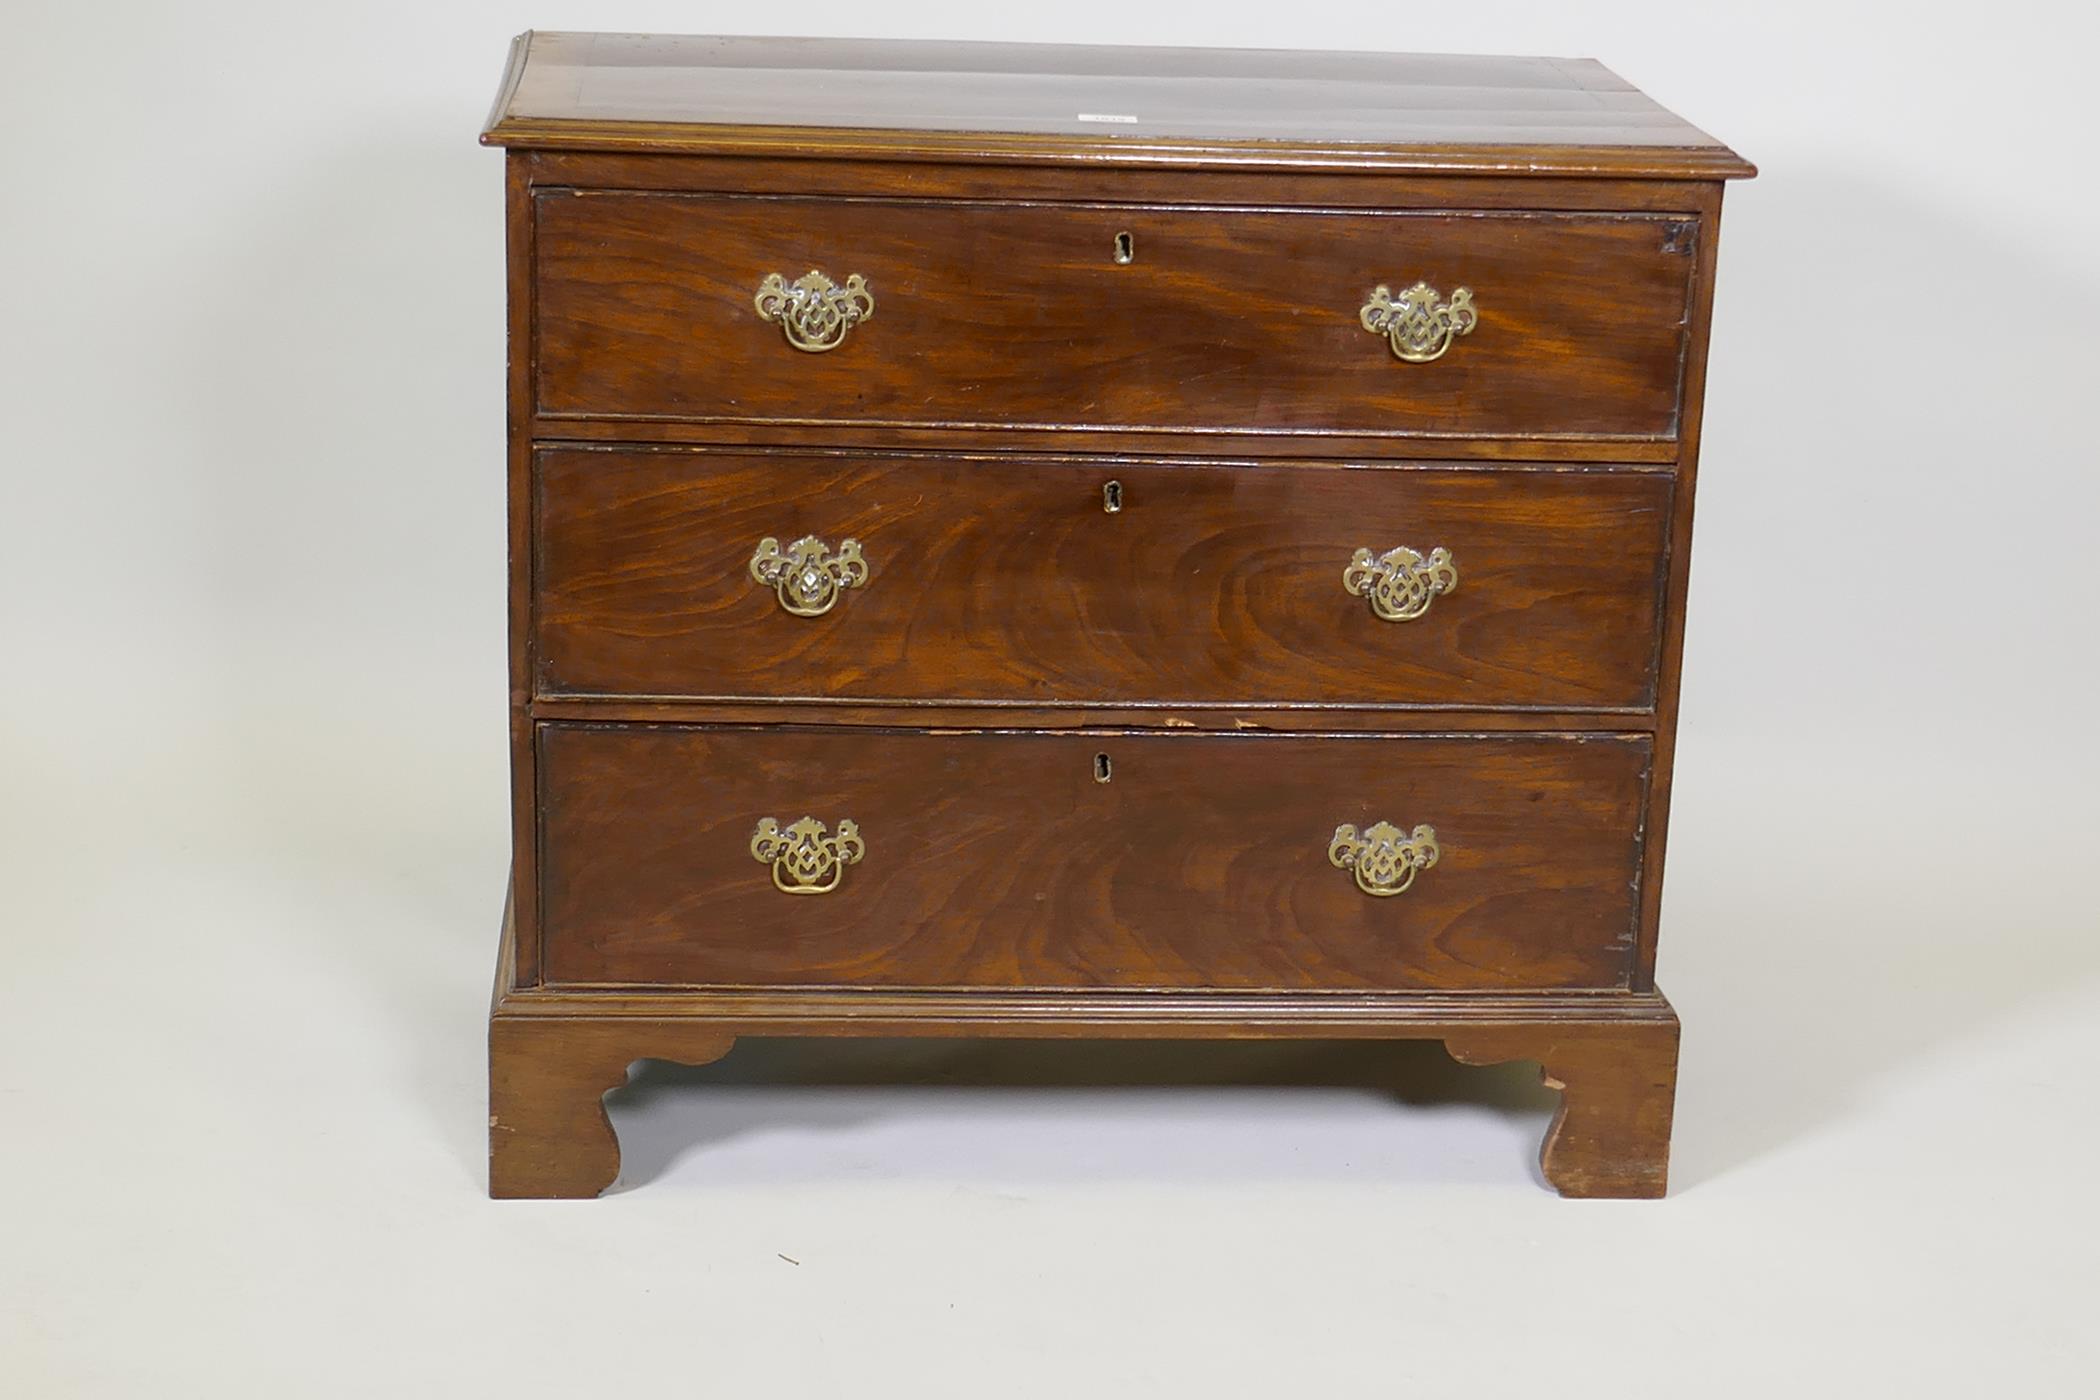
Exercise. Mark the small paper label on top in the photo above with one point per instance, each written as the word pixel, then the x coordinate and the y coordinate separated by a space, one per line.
pixel 1105 117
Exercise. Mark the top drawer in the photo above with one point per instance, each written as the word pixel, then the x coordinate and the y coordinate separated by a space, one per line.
pixel 1110 317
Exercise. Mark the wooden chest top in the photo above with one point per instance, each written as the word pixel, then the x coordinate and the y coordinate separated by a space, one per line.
pixel 1093 105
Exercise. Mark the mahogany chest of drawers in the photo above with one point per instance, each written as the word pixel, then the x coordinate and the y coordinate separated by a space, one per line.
pixel 1021 541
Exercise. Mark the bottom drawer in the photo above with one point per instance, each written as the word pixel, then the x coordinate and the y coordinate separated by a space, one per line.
pixel 994 859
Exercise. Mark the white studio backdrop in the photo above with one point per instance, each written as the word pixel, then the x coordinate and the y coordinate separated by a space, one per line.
pixel 252 837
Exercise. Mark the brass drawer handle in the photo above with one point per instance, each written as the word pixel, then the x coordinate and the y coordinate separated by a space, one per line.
pixel 805 859
pixel 1400 583
pixel 813 311
pixel 1418 324
pixel 1384 859
pixel 808 574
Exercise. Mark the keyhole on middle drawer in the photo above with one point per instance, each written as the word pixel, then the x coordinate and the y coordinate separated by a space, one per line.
pixel 1102 772
pixel 1112 497
pixel 1126 247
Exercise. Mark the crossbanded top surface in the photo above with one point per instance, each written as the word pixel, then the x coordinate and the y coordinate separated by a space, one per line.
pixel 1092 104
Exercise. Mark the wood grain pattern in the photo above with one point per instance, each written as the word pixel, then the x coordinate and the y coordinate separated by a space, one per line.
pixel 660 702
pixel 549 1137
pixel 1618 1085
pixel 991 315
pixel 998 859
pixel 904 99
pixel 1264 718
pixel 554 1058
pixel 1007 580
pixel 812 176
pixel 1676 591
pixel 554 1054
pixel 1654 454
pixel 518 472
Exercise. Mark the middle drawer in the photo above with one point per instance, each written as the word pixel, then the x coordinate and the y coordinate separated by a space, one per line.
pixel 688 574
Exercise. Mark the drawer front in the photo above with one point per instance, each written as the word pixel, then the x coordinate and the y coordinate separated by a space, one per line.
pixel 997 315
pixel 988 859
pixel 1014 581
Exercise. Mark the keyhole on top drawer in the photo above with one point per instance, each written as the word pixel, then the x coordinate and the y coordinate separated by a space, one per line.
pixel 1102 772
pixel 1126 247
pixel 1112 497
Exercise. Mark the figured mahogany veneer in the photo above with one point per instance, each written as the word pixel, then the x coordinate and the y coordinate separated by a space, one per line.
pixel 1007 580
pixel 1021 316
pixel 1076 743
pixel 1074 104
pixel 1088 860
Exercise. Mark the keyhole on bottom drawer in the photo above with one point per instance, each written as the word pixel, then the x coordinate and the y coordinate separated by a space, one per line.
pixel 1102 772
pixel 1112 497
pixel 1126 248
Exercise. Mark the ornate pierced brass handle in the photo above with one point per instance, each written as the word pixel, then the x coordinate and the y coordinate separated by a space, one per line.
pixel 814 312
pixel 1418 323
pixel 1400 583
pixel 808 574
pixel 806 859
pixel 1384 859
